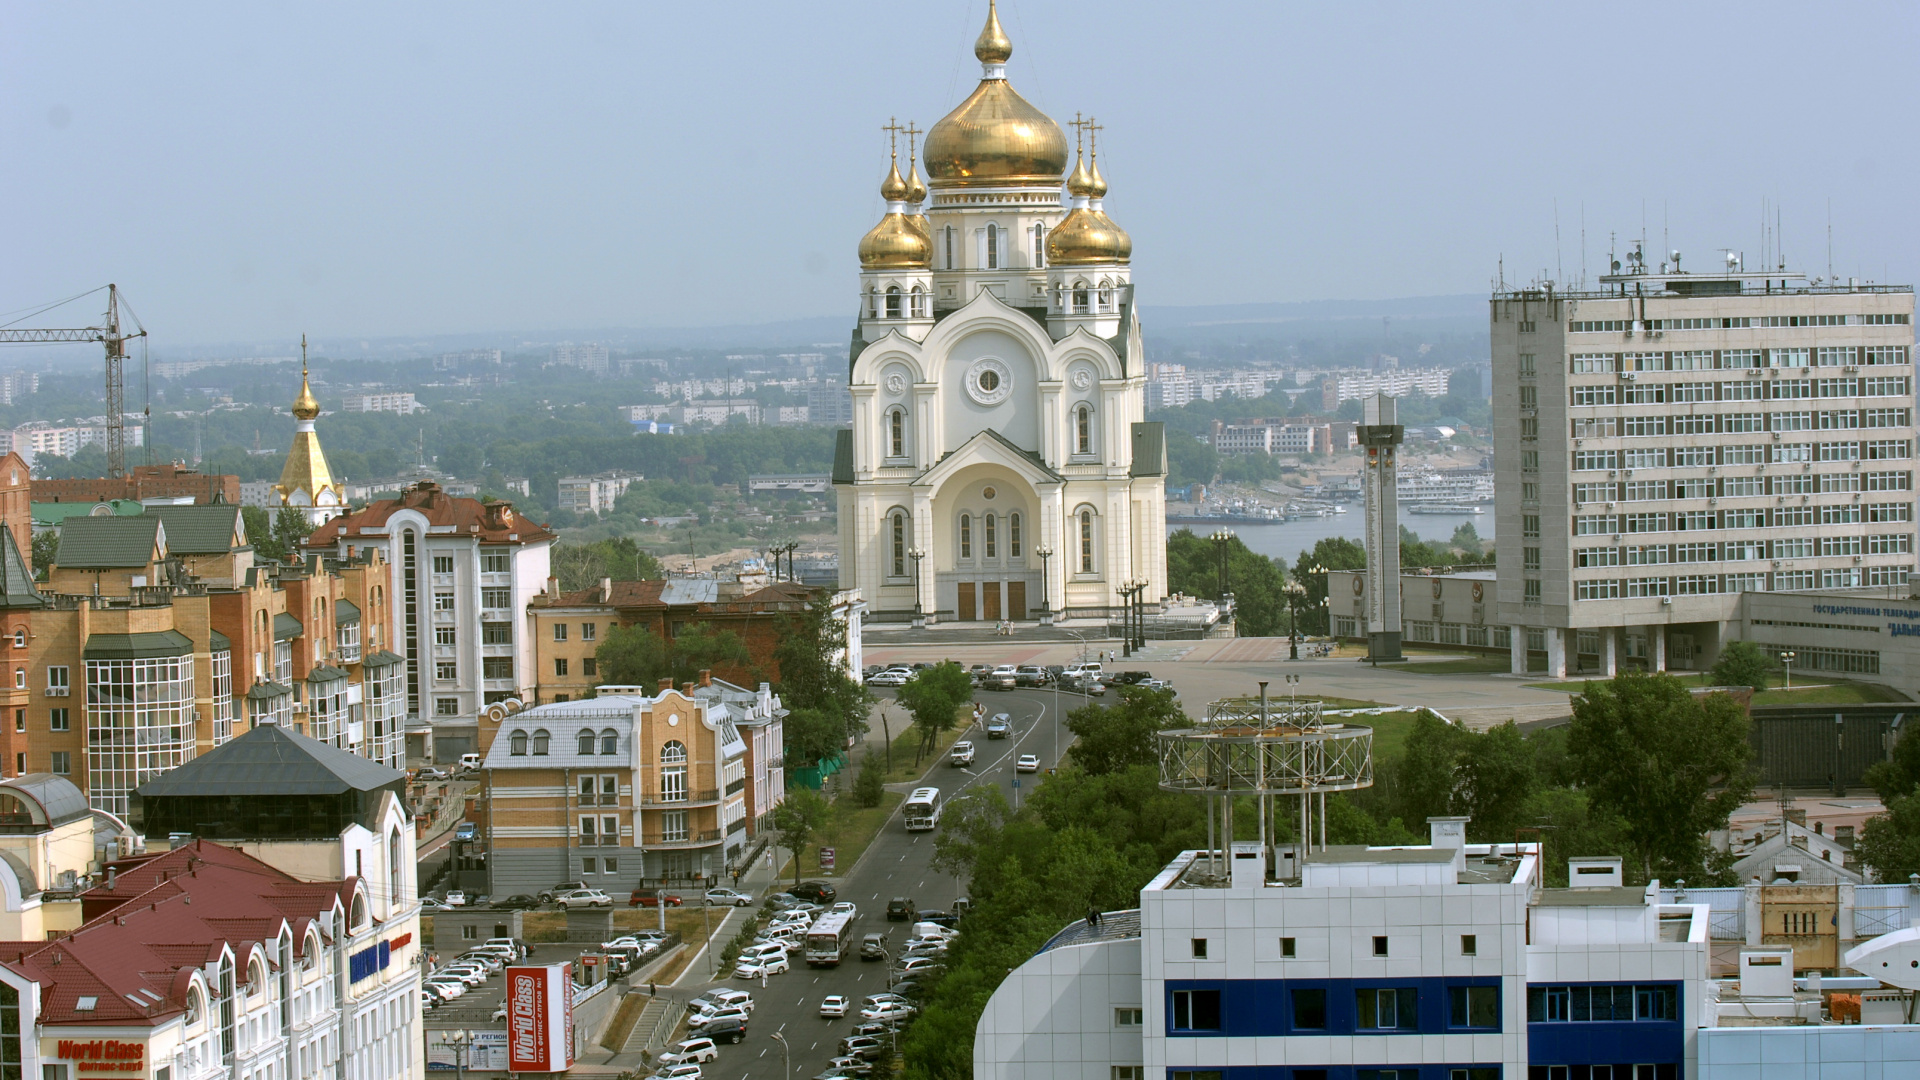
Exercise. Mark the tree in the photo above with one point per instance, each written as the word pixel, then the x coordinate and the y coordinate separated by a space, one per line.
pixel 632 656
pixel 1497 782
pixel 290 530
pixel 46 549
pixel 259 526
pixel 933 698
pixel 1109 738
pixel 1330 553
pixel 701 647
pixel 581 566
pixel 1741 663
pixel 813 736
pixel 813 678
pixel 1890 843
pixel 1258 583
pixel 800 814
pixel 871 785
pixel 1893 778
pixel 1670 765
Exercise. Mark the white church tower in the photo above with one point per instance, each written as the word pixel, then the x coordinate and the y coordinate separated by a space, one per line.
pixel 998 466
pixel 306 482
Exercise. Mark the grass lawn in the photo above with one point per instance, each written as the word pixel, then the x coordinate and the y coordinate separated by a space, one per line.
pixel 856 830
pixel 1837 693
pixel 1466 665
pixel 1389 732
pixel 906 740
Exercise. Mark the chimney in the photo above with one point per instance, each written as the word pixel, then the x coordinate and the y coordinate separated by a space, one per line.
pixel 553 587
pixel 606 590
pixel 666 685
pixel 706 676
pixel 686 688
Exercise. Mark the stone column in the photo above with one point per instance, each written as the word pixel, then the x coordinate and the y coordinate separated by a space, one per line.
pixel 1657 648
pixel 1517 649
pixel 1556 652
pixel 1610 651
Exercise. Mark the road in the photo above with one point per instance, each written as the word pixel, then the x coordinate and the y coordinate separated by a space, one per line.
pixel 897 863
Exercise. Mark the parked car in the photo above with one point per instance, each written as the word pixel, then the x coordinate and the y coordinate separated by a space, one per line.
pixel 899 909
pixel 688 1071
pixel 721 998
pixel 728 896
pixel 1031 675
pixel 978 672
pixel 521 948
pixel 960 754
pixel 732 1029
pixel 653 898
pixel 471 974
pixel 890 677
pixel 848 1065
pixel 430 773
pixel 872 1028
pixel 767 948
pixel 761 966
pixel 499 1013
pixel 865 1047
pixel 467 831
pixel 547 895
pixel 834 1005
pixel 1001 678
pixel 920 965
pixel 700 1021
pixel 1129 678
pixel 888 1011
pixel 490 961
pixel 700 1049
pixel 456 898
pixel 579 898
pixel 431 904
pixel 517 902
pixel 816 892
pixel 937 916
pixel 874 999
pixel 429 999
pixel 873 947
pixel 1088 685
pixel 909 988
pixel 449 986
pixel 469 763
pixel 1027 763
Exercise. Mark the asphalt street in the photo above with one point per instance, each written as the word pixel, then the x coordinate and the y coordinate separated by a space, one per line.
pixel 897 863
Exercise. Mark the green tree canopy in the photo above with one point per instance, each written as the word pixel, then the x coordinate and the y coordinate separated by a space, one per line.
pixel 581 566
pixel 798 817
pixel 1108 738
pixel 1671 765
pixel 635 656
pixel 1741 663
pixel 933 697
pixel 1330 553
pixel 1258 583
pixel 814 681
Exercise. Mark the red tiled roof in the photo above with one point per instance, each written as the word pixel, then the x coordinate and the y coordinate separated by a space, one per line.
pixel 646 594
pixel 492 523
pixel 165 914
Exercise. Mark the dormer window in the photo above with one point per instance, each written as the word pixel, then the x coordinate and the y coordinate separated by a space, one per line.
pixel 586 743
pixel 609 742
pixel 517 744
pixel 540 740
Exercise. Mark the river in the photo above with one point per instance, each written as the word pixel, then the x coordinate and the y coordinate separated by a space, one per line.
pixel 1289 538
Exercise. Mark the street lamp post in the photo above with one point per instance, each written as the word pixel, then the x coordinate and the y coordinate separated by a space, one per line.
pixel 786 1060
pixel 1046 604
pixel 1126 618
pixel 1296 592
pixel 1222 541
pixel 919 615
pixel 1786 661
pixel 458 1040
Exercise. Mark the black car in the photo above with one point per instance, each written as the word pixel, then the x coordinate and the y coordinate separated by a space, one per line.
pixel 899 909
pixel 907 988
pixel 814 892
pixel 1130 678
pixel 730 1030
pixel 937 916
pixel 517 902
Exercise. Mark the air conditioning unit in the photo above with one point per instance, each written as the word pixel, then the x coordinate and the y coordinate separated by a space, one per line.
pixel 1856 560
pixel 1666 601
pixel 1628 376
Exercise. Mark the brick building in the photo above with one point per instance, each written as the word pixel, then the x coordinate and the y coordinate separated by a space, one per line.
pixel 142 482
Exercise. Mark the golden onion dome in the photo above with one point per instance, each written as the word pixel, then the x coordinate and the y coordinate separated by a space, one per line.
pixel 306 406
pixel 916 187
pixel 995 136
pixel 1080 181
pixel 992 46
pixel 897 243
pixel 1097 186
pixel 1088 237
pixel 894 189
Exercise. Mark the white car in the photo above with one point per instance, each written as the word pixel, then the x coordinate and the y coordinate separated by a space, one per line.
pixel 728 896
pixel 871 1000
pixel 699 1050
pixel 848 907
pixel 765 948
pixel 891 677
pixel 802 919
pixel 450 986
pixel 471 974
pixel 960 754
pixel 500 1012
pixel 834 1005
pixel 887 1011
pixel 722 999
pixel 1027 763
pixel 708 1016
pixel 456 898
pixel 429 905
pixel 583 898
pixel 761 966
pixel 687 1071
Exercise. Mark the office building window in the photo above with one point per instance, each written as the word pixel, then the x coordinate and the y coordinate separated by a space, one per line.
pixel 1130 1017
pixel 1196 1010
pixel 1474 1006
pixel 1309 1010
pixel 1395 1009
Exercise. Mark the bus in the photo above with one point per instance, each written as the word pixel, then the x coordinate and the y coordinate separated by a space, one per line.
pixel 829 939
pixel 922 809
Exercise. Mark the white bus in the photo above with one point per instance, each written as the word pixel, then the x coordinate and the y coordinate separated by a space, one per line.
pixel 922 810
pixel 829 939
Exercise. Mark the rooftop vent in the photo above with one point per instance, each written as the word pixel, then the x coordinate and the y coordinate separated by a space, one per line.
pixel 1603 872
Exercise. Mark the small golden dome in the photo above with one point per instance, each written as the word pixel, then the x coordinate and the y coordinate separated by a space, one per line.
pixel 1088 237
pixel 897 243
pixel 1097 188
pixel 1080 181
pixel 306 406
pixel 916 187
pixel 894 189
pixel 992 46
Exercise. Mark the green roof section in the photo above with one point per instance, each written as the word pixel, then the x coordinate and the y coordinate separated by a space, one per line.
pixel 843 456
pixel 285 626
pixel 201 530
pixel 1149 449
pixel 109 543
pixel 54 513
pixel 383 658
pixel 16 577
pixel 322 673
pixel 267 691
pixel 272 760
pixel 217 642
pixel 345 613
pixel 138 646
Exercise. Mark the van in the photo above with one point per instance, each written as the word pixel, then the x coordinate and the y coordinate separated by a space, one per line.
pixel 1086 668
pixel 469 762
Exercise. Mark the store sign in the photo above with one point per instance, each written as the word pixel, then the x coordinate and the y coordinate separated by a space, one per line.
pixel 104 1057
pixel 369 961
pixel 540 1018
pixel 826 858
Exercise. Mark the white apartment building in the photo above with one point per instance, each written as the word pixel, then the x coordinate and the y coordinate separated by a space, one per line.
pixel 1239 439
pixel 829 403
pixel 1674 440
pixel 385 401
pixel 18 384
pixel 594 494
pixel 463 572
pixel 1432 382
pixel 44 437
pixel 721 410
pixel 588 357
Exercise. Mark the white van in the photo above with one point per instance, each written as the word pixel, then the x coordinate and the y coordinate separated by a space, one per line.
pixel 1084 667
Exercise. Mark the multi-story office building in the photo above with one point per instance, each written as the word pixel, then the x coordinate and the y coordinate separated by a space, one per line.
pixel 388 401
pixel 1673 440
pixel 463 572
pixel 620 789
pixel 594 494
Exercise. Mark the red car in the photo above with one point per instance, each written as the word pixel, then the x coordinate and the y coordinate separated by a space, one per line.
pixel 652 898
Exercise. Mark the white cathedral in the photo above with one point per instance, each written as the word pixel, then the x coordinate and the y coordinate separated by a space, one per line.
pixel 998 466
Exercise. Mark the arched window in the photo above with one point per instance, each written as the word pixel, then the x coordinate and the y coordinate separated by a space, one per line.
pixel 1080 299
pixel 1039 246
pixel 899 544
pixel 1013 536
pixel 893 301
pixel 196 1006
pixel 609 742
pixel 991 537
pixel 673 772
pixel 897 433
pixel 357 915
pixel 1059 296
pixel 1083 430
pixel 916 308
pixel 517 743
pixel 993 246
pixel 1086 541
pixel 873 301
pixel 540 739
pixel 395 873
pixel 949 261
pixel 966 536
pixel 586 744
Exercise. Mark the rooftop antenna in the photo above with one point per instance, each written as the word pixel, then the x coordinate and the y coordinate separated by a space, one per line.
pixel 1583 243
pixel 1829 238
pixel 1779 249
pixel 1557 270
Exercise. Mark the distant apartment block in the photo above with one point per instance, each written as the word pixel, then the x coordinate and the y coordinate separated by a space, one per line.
pixel 787 414
pixel 258 493
pixel 722 410
pixel 1432 382
pixel 18 384
pixel 594 494
pixel 1273 436
pixel 829 403
pixel 471 357
pixel 588 357
pixel 790 484
pixel 403 403
pixel 173 369
pixel 637 414
pixel 43 437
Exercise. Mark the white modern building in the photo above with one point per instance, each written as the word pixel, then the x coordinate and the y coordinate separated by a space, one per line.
pixel 463 572
pixel 1346 386
pixel 1673 440
pixel 393 401
pixel 594 494
pixel 998 463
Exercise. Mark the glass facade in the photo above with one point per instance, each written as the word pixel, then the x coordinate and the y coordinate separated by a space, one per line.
pixel 222 697
pixel 140 723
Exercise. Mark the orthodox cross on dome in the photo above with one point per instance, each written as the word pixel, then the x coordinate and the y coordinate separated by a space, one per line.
pixel 1093 129
pixel 1079 126
pixel 913 141
pixel 893 130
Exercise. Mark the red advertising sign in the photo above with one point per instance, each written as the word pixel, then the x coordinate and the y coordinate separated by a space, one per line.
pixel 539 1002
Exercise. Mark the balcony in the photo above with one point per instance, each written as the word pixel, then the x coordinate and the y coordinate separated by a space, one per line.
pixel 656 841
pixel 737 786
pixel 692 798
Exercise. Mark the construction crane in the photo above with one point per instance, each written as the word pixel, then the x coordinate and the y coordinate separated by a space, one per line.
pixel 115 341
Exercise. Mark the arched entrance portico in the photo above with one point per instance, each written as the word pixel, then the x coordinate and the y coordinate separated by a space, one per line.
pixel 985 566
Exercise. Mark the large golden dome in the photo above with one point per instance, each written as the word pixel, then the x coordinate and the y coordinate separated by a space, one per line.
pixel 1088 237
pixel 995 136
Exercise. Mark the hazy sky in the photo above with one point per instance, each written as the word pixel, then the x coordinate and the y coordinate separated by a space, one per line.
pixel 249 171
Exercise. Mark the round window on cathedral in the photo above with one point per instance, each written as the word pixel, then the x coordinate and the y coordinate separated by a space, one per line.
pixel 989 381
pixel 988 493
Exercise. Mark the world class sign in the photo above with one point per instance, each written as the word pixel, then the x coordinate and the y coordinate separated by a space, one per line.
pixel 104 1056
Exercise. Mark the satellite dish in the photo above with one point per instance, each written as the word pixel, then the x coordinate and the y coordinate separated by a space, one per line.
pixel 1616 266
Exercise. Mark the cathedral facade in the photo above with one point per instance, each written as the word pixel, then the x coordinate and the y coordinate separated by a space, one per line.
pixel 999 466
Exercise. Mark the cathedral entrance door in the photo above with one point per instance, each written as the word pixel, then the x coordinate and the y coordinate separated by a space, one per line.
pixel 1017 600
pixel 990 595
pixel 963 607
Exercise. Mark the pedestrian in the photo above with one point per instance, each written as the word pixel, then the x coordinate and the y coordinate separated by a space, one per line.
pixel 653 988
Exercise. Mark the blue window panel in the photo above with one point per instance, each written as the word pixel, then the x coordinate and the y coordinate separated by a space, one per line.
pixel 1577 1041
pixel 1253 1007
pixel 1344 1072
